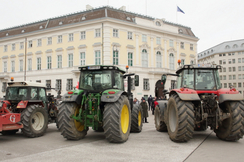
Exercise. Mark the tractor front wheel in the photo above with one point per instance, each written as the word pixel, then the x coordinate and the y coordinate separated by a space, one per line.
pixel 69 127
pixel 117 120
pixel 158 118
pixel 180 119
pixel 35 121
pixel 136 118
pixel 232 128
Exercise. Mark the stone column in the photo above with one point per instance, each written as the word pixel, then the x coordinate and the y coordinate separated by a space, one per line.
pixel 106 45
pixel 152 53
pixel 137 49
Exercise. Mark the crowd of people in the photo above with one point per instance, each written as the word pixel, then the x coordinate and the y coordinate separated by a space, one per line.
pixel 148 105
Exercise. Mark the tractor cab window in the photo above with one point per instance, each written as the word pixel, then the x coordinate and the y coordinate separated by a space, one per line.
pixel 118 81
pixel 179 80
pixel 205 79
pixel 95 80
pixel 16 93
pixel 188 78
pixel 216 74
pixel 42 94
pixel 34 93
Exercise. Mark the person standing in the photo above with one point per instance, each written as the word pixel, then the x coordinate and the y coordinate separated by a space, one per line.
pixel 149 102
pixel 144 109
pixel 153 104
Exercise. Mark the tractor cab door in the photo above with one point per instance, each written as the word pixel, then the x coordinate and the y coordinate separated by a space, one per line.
pixel 43 97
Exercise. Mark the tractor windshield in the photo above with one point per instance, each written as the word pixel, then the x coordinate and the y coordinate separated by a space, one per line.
pixel 95 80
pixel 205 79
pixel 16 93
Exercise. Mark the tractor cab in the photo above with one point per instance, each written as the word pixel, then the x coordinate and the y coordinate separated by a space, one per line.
pixel 100 78
pixel 197 78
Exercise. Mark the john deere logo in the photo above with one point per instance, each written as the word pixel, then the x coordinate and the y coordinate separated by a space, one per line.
pixel 12 118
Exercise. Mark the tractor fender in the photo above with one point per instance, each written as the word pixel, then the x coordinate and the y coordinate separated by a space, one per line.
pixel 230 97
pixel 186 96
pixel 112 98
pixel 72 98
pixel 162 104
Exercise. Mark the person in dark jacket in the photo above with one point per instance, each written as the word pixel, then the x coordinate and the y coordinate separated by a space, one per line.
pixel 149 100
pixel 144 109
pixel 153 104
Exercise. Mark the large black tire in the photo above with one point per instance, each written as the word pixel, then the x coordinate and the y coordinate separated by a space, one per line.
pixel 69 127
pixel 158 120
pixel 35 121
pixel 136 119
pixel 117 120
pixel 9 132
pixel 232 128
pixel 179 119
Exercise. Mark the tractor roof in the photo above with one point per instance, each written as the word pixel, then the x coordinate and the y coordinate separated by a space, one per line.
pixel 26 84
pixel 203 67
pixel 101 67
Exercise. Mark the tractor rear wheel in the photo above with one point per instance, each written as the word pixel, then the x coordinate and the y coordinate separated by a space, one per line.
pixel 136 118
pixel 35 121
pixel 158 118
pixel 117 120
pixel 179 119
pixel 69 127
pixel 232 128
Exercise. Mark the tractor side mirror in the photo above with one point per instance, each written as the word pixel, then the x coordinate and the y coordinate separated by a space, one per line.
pixel 163 79
pixel 136 80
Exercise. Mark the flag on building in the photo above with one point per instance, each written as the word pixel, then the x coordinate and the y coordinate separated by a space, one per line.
pixel 179 10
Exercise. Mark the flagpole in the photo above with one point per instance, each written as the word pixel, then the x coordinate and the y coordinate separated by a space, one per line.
pixel 176 15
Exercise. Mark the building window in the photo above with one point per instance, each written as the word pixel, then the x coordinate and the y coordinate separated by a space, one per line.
pixel 144 38
pixel 182 45
pixel 30 44
pixel 158 23
pixel 97 33
pixel 224 69
pixel 115 58
pixel 21 45
pixel 13 46
pixel 224 61
pixel 229 61
pixel 171 43
pixel 220 62
pixel 97 58
pixel 242 60
pixel 70 60
pixel 82 58
pixel 39 63
pixel 239 85
pixel 239 68
pixel 158 60
pixel 146 85
pixel 49 62
pixel 234 77
pixel 239 60
pixel 49 40
pixel 220 55
pixel 233 69
pixel 182 61
pixel 83 35
pixel 130 35
pixel 59 84
pixel 171 61
pixel 227 47
pixel 59 61
pixel 38 81
pixel 192 62
pixel 225 85
pixel 229 54
pixel 220 70
pixel 224 77
pixel 234 84
pixel 48 84
pixel 233 61
pixel 4 86
pixel 5 66
pixel 191 47
pixel 60 39
pixel 242 68
pixel 229 69
pixel 13 66
pixel 144 58
pixel 20 65
pixel 39 42
pixel 130 59
pixel 220 77
pixel 239 76
pixel 158 40
pixel 230 77
pixel 5 48
pixel 29 64
pixel 242 76
pixel 69 85
pixel 115 33
pixel 71 37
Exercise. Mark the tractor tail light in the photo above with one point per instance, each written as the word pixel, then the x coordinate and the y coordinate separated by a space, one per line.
pixel 70 92
pixel 111 92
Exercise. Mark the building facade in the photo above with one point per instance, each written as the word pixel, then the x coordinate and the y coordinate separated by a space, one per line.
pixel 50 51
pixel 230 55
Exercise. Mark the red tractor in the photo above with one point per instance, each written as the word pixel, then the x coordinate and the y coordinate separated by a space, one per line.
pixel 198 102
pixel 27 107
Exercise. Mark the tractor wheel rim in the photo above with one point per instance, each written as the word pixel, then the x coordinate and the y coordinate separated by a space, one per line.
pixel 139 118
pixel 172 119
pixel 124 120
pixel 78 125
pixel 38 121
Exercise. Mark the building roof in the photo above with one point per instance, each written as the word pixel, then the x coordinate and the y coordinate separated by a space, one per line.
pixel 225 47
pixel 84 16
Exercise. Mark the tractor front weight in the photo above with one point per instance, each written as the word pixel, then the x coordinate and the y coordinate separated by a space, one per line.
pixel 89 113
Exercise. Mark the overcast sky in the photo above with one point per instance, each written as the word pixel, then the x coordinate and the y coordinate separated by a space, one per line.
pixel 212 21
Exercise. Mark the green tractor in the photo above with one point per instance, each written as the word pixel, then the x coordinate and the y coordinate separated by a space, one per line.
pixel 102 103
